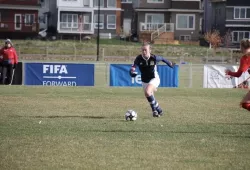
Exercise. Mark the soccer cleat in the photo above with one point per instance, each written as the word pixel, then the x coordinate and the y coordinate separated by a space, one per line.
pixel 159 110
pixel 155 114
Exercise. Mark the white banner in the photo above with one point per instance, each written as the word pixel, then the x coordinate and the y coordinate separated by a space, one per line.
pixel 214 77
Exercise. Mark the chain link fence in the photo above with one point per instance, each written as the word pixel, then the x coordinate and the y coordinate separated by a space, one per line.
pixel 190 75
pixel 190 60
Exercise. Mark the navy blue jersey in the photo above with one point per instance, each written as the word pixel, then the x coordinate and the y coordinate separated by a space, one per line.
pixel 148 67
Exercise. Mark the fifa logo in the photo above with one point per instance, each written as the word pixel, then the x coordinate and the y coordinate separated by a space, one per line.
pixel 55 69
pixel 57 75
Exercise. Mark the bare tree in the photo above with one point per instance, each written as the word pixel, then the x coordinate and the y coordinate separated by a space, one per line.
pixel 214 39
pixel 227 38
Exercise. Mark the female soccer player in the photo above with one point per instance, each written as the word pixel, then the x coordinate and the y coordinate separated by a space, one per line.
pixel 147 63
pixel 244 65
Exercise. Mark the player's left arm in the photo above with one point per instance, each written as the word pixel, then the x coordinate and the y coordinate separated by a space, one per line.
pixel 1 51
pixel 15 56
pixel 169 63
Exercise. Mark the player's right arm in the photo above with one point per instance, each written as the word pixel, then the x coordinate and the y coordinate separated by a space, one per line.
pixel 132 71
pixel 243 67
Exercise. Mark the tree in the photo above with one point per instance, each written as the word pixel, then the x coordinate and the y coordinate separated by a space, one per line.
pixel 227 39
pixel 214 39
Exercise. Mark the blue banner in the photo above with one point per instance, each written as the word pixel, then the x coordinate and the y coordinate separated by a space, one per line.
pixel 59 74
pixel 119 76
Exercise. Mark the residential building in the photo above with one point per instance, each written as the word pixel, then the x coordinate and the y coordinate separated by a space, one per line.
pixel 232 16
pixel 80 17
pixel 19 19
pixel 128 18
pixel 174 19
pixel 207 15
pixel 44 13
pixel 187 15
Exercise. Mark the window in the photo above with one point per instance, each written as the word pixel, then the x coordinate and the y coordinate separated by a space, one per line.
pixel 96 3
pixel 237 36
pixel 155 1
pixel 69 21
pixel 126 1
pixel 153 21
pixel 29 19
pixel 154 18
pixel 185 38
pixel 241 13
pixel 111 3
pixel 185 21
pixel 111 22
pixel 42 19
pixel 86 22
pixel 201 23
pixel 101 24
pixel 217 11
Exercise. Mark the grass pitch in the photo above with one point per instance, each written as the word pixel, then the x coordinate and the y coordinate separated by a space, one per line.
pixel 84 128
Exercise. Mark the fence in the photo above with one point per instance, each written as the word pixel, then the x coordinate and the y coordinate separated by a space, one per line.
pixel 110 53
pixel 190 60
pixel 189 75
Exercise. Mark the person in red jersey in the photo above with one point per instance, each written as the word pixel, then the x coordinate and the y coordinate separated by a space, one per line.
pixel 1 65
pixel 244 66
pixel 9 62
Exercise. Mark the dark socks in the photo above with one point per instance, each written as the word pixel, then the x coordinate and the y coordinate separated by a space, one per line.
pixel 153 103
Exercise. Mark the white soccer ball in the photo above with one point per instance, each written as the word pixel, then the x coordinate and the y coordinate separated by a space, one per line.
pixel 131 115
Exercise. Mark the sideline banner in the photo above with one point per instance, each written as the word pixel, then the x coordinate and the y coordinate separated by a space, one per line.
pixel 214 77
pixel 119 76
pixel 59 74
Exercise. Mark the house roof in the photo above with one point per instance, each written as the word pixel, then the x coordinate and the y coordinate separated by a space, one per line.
pixel 168 10
pixel 20 7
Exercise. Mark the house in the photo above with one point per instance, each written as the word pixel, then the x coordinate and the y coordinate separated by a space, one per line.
pixel 44 13
pixel 128 18
pixel 19 19
pixel 187 15
pixel 232 16
pixel 207 15
pixel 169 19
pixel 76 17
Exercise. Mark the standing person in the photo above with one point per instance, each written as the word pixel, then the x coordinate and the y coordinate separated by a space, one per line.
pixel 244 65
pixel 9 62
pixel 1 65
pixel 147 64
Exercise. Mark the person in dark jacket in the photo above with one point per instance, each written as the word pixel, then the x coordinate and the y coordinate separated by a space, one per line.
pixel 147 63
pixel 9 62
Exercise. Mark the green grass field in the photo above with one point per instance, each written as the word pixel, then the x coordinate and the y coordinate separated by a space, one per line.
pixel 84 128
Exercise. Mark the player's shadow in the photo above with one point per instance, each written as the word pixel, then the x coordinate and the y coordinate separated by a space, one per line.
pixel 229 135
pixel 65 116
pixel 240 124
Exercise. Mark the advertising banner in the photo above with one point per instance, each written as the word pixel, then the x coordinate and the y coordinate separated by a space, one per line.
pixel 59 74
pixel 119 76
pixel 214 77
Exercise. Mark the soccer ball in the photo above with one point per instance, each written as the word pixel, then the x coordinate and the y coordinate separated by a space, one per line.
pixel 131 115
